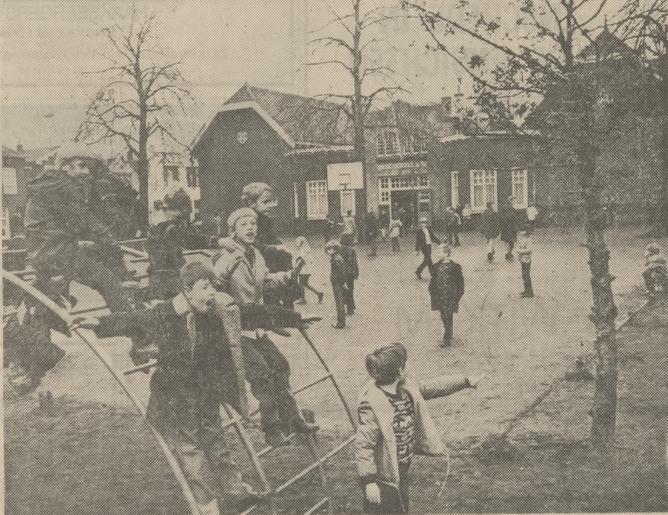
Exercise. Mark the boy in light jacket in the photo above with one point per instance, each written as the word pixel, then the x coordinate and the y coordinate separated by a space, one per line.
pixel 394 425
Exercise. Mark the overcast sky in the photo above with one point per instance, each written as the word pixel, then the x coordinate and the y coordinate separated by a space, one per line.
pixel 48 45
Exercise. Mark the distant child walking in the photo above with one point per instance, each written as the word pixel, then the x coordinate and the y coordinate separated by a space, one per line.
pixel 395 232
pixel 524 248
pixel 394 425
pixel 446 289
pixel 303 254
pixel 338 279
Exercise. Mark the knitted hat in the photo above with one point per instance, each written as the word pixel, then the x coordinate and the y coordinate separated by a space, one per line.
pixel 236 215
pixel 194 271
pixel 252 191
pixel 333 244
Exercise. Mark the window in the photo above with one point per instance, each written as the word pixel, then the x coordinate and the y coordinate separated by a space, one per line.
pixel 316 200
pixel 295 198
pixel 415 144
pixel 520 189
pixel 384 190
pixel 454 189
pixel 347 202
pixel 387 143
pixel 170 172
pixel 191 176
pixel 9 186
pixel 483 189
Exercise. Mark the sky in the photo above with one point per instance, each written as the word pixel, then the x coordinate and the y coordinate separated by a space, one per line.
pixel 49 48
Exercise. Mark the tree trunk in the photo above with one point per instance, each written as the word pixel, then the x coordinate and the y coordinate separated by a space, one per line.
pixel 142 167
pixel 603 313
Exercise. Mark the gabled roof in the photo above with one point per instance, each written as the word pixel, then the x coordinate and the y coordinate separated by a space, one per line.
pixel 298 119
pixel 39 155
pixel 605 46
pixel 432 119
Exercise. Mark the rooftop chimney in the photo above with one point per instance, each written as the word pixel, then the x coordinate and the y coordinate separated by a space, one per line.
pixel 19 148
pixel 446 105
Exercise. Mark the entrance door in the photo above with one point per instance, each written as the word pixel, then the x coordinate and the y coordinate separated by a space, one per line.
pixel 405 207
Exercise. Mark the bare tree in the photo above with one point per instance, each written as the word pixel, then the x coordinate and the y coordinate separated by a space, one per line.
pixel 579 111
pixel 350 38
pixel 141 92
pixel 644 25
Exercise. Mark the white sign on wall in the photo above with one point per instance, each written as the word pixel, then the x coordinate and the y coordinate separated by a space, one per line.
pixel 345 176
pixel 9 186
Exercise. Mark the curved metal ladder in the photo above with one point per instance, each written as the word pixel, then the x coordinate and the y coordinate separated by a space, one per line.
pixel 235 420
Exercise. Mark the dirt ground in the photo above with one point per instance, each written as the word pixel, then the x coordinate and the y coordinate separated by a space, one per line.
pixel 92 454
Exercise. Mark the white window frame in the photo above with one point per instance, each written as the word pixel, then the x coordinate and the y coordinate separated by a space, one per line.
pixel 316 200
pixel 523 202
pixel 454 188
pixel 486 174
pixel 295 193
pixel 351 195
pixel 9 183
pixel 382 143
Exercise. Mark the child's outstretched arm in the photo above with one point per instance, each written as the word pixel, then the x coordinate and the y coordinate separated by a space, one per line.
pixel 441 386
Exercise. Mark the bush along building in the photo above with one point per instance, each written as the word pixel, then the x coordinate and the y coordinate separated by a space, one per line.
pixel 299 145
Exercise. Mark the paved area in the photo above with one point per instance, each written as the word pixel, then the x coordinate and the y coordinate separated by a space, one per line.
pixel 521 344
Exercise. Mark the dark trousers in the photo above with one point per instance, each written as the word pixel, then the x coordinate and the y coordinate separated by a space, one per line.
pixel 395 244
pixel 350 295
pixel 453 236
pixel 268 373
pixel 426 261
pixel 82 268
pixel 304 283
pixel 189 419
pixel 447 316
pixel 340 301
pixel 526 277
pixel 392 500
pixel 373 247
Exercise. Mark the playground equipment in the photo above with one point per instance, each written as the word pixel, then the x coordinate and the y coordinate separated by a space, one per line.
pixel 232 418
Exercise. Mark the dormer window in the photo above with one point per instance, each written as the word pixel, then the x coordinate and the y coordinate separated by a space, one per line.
pixel 387 143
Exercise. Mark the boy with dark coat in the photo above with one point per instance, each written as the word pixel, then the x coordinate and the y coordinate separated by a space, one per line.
pixel 446 289
pixel 424 239
pixel 490 228
pixel 192 379
pixel 165 243
pixel 508 227
pixel 338 278
pixel 352 273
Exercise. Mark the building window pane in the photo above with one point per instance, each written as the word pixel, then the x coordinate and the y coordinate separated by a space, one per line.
pixel 316 200
pixel 483 189
pixel 520 189
pixel 347 202
pixel 454 189
pixel 191 176
pixel 9 185
pixel 387 143
pixel 295 197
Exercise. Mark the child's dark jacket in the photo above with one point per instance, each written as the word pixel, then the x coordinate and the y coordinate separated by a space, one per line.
pixel 446 287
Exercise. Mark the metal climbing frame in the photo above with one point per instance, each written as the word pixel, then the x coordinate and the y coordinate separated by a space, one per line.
pixel 233 418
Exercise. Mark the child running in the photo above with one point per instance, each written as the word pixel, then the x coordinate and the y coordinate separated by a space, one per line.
pixel 304 254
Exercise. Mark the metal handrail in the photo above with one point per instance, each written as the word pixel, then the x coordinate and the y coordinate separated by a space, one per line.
pixel 89 338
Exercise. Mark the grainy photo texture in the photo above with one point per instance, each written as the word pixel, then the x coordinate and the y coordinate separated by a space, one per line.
pixel 334 256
